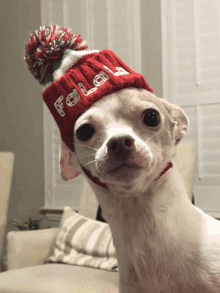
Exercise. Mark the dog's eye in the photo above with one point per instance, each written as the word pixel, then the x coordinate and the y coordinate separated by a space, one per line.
pixel 151 117
pixel 85 132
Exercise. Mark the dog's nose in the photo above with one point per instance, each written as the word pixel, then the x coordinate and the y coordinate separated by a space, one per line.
pixel 120 144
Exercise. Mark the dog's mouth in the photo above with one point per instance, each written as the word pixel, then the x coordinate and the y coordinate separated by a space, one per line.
pixel 123 167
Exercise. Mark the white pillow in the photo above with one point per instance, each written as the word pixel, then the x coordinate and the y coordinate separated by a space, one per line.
pixel 84 242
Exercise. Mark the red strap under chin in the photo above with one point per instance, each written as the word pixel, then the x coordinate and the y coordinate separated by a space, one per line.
pixel 96 180
pixel 169 165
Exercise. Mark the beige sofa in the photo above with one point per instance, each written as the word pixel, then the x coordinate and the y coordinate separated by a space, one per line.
pixel 28 251
pixel 30 274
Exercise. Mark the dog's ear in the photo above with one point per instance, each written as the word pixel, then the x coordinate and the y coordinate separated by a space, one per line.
pixel 179 117
pixel 69 166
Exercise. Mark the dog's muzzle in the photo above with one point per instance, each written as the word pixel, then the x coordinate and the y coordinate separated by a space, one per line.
pixel 119 147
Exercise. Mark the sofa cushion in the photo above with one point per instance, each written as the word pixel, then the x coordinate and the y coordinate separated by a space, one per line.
pixel 84 242
pixel 56 278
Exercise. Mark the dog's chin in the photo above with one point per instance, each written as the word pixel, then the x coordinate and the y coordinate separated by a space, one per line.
pixel 124 177
pixel 124 172
pixel 126 180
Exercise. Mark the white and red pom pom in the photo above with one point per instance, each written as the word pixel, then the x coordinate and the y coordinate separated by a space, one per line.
pixel 46 46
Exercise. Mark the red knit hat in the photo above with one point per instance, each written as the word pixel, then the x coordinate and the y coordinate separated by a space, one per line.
pixel 74 78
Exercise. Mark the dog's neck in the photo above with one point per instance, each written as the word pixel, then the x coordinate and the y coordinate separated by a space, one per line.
pixel 145 227
pixel 158 197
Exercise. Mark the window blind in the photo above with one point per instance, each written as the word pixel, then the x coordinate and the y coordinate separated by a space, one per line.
pixel 191 77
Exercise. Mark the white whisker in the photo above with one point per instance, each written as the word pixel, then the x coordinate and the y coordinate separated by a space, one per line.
pixel 86 155
pixel 85 146
pixel 153 135
pixel 89 163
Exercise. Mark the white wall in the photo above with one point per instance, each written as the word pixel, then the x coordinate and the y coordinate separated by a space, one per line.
pixel 21 107
pixel 152 44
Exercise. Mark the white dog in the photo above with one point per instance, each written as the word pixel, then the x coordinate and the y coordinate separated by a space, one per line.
pixel 125 143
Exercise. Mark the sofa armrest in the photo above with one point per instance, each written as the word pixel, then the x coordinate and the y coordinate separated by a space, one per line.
pixel 29 248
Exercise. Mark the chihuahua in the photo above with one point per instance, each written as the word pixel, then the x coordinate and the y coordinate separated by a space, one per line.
pixel 125 144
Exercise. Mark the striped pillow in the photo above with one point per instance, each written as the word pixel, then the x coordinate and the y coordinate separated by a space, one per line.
pixel 84 242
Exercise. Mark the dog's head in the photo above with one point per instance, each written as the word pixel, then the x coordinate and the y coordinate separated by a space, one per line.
pixel 125 139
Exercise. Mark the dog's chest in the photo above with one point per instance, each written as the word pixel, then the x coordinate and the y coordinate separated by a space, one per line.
pixel 153 264
pixel 162 255
pixel 168 277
